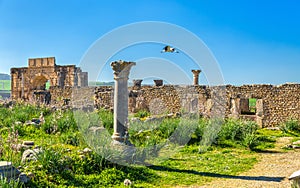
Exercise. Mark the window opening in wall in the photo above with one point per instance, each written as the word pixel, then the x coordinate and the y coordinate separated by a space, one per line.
pixel 248 106
pixel 252 105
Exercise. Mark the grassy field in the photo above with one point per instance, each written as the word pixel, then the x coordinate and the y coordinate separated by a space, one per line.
pixel 62 162
pixel 5 85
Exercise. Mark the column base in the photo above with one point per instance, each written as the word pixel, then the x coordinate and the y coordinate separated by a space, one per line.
pixel 117 137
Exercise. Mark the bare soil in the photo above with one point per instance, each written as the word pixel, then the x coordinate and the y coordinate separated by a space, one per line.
pixel 272 170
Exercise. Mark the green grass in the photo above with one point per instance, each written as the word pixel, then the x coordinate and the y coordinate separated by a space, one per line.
pixel 62 164
pixel 188 167
pixel 6 84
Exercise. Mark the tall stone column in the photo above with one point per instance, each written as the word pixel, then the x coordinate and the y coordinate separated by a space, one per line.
pixel 121 72
pixel 196 76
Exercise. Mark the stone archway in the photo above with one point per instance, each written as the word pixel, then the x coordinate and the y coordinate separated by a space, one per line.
pixel 38 90
pixel 33 78
pixel 39 82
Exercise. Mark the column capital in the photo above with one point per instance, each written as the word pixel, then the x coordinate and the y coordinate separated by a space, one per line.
pixel 137 83
pixel 121 68
pixel 196 71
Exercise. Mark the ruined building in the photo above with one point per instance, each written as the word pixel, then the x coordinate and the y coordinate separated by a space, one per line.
pixel 268 105
pixel 43 77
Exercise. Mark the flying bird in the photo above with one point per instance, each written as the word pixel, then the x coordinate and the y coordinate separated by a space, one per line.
pixel 169 49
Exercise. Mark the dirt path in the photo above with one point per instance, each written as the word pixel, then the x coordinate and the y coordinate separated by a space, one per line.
pixel 272 170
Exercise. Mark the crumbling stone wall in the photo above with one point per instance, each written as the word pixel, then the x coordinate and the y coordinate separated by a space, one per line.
pixel 60 95
pixel 274 104
pixel 83 97
pixel 104 97
pixel 279 103
pixel 26 81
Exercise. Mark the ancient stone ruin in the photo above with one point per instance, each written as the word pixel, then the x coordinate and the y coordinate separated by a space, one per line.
pixel 121 72
pixel 43 80
pixel 271 105
pixel 268 105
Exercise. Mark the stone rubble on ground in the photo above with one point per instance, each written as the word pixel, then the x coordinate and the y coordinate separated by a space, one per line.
pixel 30 155
pixel 295 178
pixel 8 171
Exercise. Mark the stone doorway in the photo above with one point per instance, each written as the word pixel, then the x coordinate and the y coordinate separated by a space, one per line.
pixel 40 89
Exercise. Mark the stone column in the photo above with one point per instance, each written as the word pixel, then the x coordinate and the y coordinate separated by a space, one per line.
pixel 121 72
pixel 137 84
pixel 158 82
pixel 196 76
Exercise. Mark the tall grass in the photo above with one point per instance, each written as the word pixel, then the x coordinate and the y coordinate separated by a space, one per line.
pixel 290 125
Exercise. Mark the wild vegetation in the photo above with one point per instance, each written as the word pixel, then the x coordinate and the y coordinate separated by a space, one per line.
pixel 65 161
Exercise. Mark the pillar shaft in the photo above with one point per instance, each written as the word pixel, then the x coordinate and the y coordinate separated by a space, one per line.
pixel 196 76
pixel 121 73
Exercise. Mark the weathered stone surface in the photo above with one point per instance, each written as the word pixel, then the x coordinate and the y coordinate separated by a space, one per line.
pixel 158 82
pixel 30 155
pixel 29 83
pixel 24 178
pixel 127 182
pixel 196 76
pixel 274 104
pixel 28 143
pixel 121 72
pixel 7 170
pixel 87 150
pixel 295 179
pixel 296 143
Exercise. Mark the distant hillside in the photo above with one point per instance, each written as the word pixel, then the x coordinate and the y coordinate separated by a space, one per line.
pixel 93 83
pixel 4 76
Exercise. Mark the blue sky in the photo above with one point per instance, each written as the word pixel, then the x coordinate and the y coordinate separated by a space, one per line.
pixel 253 41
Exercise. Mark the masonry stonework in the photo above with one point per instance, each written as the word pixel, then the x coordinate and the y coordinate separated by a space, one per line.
pixel 68 85
pixel 29 83
pixel 274 104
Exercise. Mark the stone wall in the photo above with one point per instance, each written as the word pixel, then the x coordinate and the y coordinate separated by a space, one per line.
pixel 104 97
pixel 77 97
pixel 60 95
pixel 274 104
pixel 279 103
pixel 83 97
pixel 26 81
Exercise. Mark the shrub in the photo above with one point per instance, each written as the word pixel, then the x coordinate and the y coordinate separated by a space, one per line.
pixel 290 125
pixel 142 114
pixel 106 118
pixel 111 177
pixel 5 183
pixel 250 138
pixel 231 129
pixel 203 127
pixel 60 121
pixel 72 138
